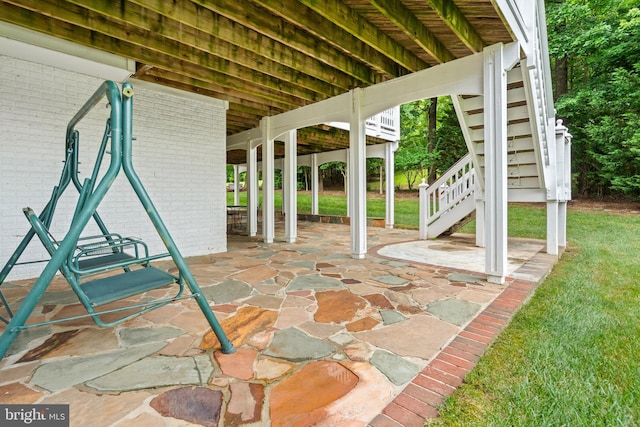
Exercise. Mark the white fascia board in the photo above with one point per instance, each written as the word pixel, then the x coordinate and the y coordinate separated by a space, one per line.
pixel 28 45
pixel 240 140
pixel 334 109
pixel 462 76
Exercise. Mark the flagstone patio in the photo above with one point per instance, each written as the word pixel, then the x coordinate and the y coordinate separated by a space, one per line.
pixel 322 339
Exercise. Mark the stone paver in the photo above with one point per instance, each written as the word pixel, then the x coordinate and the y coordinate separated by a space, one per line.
pixel 153 372
pixel 379 341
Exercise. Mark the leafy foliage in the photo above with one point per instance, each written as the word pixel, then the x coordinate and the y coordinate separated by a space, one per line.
pixel 421 155
pixel 600 43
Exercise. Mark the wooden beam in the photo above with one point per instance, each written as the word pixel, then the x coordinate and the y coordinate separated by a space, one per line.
pixel 43 23
pixel 353 23
pixel 160 27
pixel 181 82
pixel 277 28
pixel 253 43
pixel 230 94
pixel 455 19
pixel 152 31
pixel 404 19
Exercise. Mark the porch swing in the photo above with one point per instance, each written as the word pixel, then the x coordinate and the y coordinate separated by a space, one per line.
pixel 104 268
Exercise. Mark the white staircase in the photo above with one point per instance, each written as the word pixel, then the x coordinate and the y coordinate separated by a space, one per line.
pixel 538 153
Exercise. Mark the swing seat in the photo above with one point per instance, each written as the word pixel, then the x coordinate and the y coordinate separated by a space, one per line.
pixel 113 288
pixel 103 254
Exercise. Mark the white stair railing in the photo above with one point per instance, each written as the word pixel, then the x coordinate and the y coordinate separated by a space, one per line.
pixel 441 197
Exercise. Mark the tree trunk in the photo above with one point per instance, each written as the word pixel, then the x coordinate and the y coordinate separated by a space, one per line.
pixel 561 72
pixel 432 118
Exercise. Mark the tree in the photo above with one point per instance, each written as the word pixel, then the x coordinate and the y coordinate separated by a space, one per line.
pixel 431 140
pixel 601 43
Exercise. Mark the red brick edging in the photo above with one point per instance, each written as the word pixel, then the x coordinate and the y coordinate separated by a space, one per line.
pixel 421 398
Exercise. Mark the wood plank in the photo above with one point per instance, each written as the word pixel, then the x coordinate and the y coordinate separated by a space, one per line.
pixel 220 27
pixel 165 47
pixel 455 19
pixel 277 28
pixel 64 30
pixel 354 24
pixel 402 17
pixel 185 42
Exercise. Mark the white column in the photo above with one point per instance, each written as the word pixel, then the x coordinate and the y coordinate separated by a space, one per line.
pixel 552 227
pixel 563 150
pixel 389 170
pixel 348 179
pixel 289 190
pixel 480 217
pixel 236 185
pixel 423 216
pixel 268 181
pixel 562 224
pixel 357 177
pixel 495 163
pixel 252 188
pixel 315 182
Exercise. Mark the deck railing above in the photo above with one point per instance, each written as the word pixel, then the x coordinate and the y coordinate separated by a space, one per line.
pixel 384 125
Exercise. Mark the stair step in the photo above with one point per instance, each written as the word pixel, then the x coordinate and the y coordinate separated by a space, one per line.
pixel 517 144
pixel 519 158
pixel 531 182
pixel 514 76
pixel 513 114
pixel 513 131
pixel 113 288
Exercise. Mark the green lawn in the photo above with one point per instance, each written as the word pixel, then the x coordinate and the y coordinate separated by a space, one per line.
pixel 336 204
pixel 571 356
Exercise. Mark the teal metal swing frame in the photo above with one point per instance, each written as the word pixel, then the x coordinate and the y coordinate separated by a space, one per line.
pixel 104 268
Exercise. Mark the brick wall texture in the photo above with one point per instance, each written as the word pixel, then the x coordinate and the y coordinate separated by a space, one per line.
pixel 179 154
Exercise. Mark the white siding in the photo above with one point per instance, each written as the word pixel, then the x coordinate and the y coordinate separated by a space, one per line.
pixel 179 154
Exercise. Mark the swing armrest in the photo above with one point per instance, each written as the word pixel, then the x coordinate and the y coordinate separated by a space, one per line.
pixel 103 253
pixel 102 244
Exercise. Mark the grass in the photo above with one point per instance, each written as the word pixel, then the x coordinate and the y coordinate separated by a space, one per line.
pixel 406 209
pixel 521 222
pixel 570 357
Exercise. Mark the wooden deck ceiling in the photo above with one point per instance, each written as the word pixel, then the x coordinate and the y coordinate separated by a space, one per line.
pixel 270 56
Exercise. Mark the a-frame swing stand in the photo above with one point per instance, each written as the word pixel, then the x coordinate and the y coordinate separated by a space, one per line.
pixel 105 268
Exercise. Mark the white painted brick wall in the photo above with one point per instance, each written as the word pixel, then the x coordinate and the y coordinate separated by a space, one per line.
pixel 179 155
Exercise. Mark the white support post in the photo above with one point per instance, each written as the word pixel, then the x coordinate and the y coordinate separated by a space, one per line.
pixel 236 185
pixel 562 224
pixel 357 177
pixel 423 215
pixel 552 227
pixel 315 182
pixel 252 188
pixel 348 180
pixel 289 191
pixel 563 150
pixel 389 194
pixel 268 181
pixel 480 217
pixel 495 163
